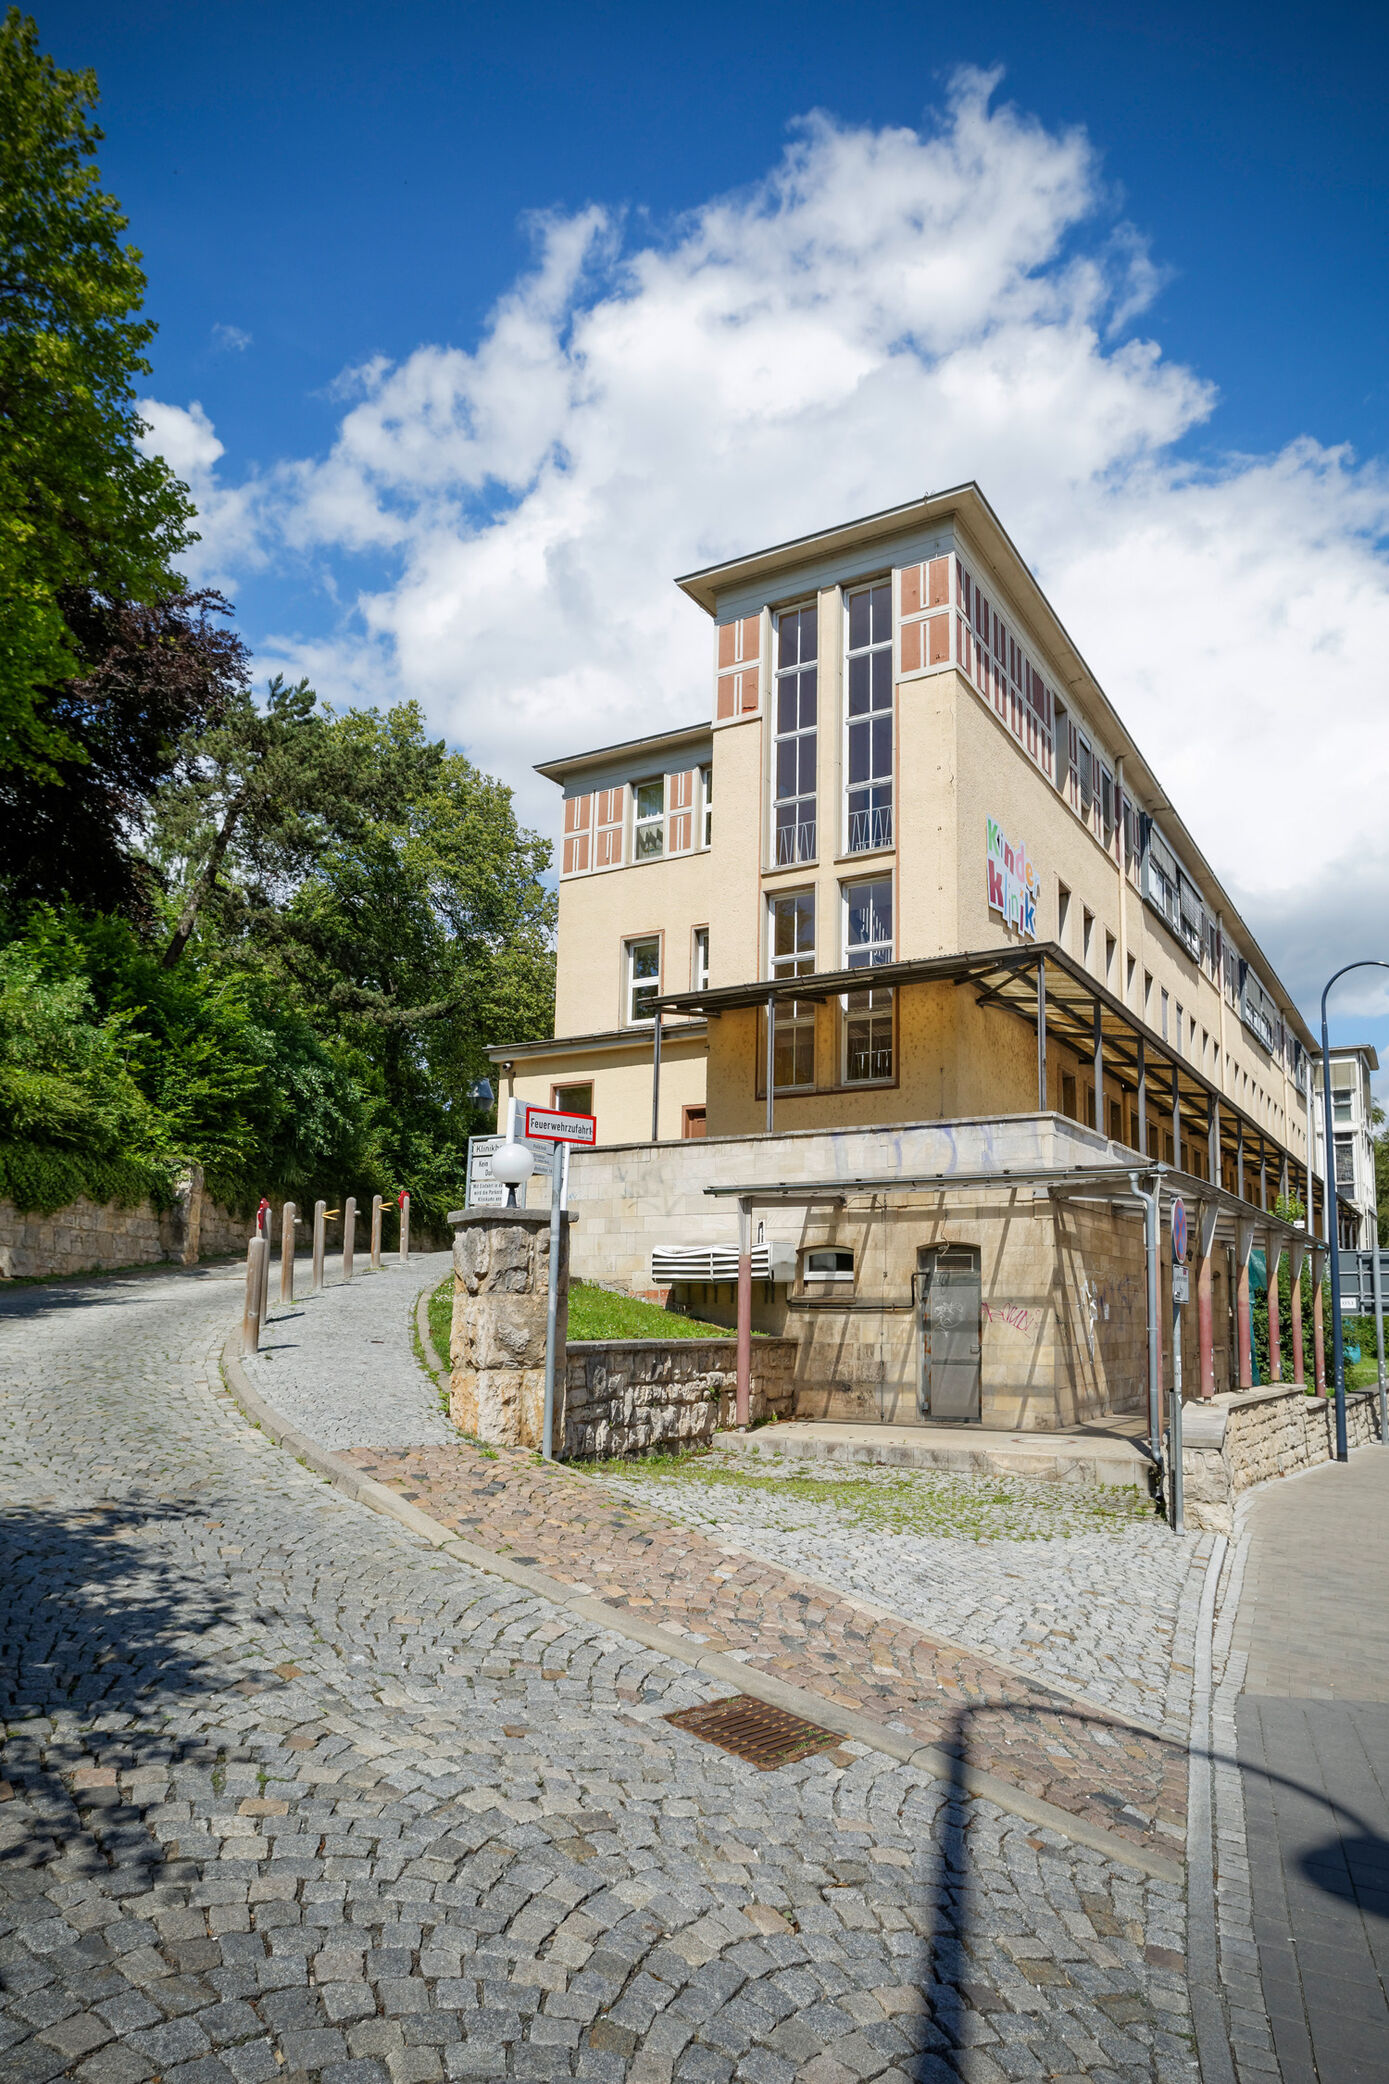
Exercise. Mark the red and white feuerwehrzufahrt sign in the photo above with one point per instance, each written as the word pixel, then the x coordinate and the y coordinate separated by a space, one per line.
pixel 550 1125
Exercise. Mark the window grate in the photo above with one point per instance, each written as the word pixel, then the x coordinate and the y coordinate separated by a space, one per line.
pixel 765 1736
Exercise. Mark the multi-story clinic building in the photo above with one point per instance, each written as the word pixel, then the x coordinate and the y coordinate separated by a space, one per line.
pixel 1352 1135
pixel 904 952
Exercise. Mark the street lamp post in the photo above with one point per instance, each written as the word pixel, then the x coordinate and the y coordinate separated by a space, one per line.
pixel 1337 1346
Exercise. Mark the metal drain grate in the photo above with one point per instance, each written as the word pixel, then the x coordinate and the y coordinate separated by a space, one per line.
pixel 766 1737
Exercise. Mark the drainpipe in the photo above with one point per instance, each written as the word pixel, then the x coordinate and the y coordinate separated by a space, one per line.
pixel 1149 1197
pixel 744 1399
pixel 771 1064
pixel 1206 1217
pixel 1297 1252
pixel 656 1078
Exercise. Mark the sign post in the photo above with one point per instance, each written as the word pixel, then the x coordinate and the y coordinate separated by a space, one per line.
pixel 1181 1293
pixel 560 1130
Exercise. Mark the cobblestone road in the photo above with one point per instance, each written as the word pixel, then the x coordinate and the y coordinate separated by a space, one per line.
pixel 1107 1606
pixel 290 1796
pixel 577 1530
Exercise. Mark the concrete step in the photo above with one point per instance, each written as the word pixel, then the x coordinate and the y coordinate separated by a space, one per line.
pixel 1089 1456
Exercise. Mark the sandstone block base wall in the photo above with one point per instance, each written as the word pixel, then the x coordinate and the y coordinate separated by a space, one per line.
pixel 1237 1441
pixel 86 1237
pixel 636 1396
pixel 1063 1336
pixel 501 1269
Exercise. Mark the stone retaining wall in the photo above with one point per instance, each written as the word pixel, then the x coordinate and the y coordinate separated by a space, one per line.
pixel 85 1236
pixel 1235 1441
pixel 635 1396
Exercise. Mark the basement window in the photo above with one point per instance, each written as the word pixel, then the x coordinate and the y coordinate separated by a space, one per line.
pixel 830 1264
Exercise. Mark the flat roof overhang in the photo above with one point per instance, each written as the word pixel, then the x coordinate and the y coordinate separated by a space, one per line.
pixel 1116 1185
pixel 1007 977
pixel 611 1038
pixel 657 742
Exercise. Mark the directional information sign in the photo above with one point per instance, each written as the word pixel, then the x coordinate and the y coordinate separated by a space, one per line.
pixel 557 1126
pixel 1178 1231
pixel 485 1192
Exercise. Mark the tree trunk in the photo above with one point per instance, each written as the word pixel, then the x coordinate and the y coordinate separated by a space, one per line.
pixel 205 881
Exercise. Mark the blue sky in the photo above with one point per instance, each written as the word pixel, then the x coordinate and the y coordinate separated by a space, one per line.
pixel 1199 277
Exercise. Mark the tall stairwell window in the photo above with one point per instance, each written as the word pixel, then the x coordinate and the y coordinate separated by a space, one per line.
pixel 795 728
pixel 868 765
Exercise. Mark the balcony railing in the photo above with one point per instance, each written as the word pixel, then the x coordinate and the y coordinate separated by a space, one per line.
pixel 870 829
pixel 794 841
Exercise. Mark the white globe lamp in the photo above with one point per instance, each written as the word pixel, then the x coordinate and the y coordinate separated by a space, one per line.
pixel 512 1164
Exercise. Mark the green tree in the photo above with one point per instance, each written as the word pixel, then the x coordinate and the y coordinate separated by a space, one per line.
pixel 384 886
pixel 84 514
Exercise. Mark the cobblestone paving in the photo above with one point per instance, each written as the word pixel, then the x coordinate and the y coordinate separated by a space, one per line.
pixel 578 1531
pixel 289 1796
pixel 1105 1604
pixel 340 1365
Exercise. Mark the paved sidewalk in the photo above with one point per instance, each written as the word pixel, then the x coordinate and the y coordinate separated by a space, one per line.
pixel 341 1366
pixel 1313 1739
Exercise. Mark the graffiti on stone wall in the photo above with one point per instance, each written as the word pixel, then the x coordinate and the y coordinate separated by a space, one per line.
pixel 1011 1314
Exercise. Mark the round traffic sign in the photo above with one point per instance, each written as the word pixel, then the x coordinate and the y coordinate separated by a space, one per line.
pixel 1179 1230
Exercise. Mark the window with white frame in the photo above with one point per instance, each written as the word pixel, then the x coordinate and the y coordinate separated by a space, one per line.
pixel 642 978
pixel 828 1263
pixel 649 819
pixel 795 727
pixel 868 719
pixel 706 783
pixel 867 1014
pixel 791 953
pixel 699 960
pixel 1345 1161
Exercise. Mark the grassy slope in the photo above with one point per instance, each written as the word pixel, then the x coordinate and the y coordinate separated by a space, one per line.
pixel 594 1313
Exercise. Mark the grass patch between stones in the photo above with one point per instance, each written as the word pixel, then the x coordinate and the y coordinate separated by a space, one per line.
pixel 891 1501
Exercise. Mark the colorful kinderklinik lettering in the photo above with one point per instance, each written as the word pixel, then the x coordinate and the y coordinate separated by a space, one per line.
pixel 1013 880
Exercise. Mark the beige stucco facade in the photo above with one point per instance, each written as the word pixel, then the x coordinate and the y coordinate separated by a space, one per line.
pixel 1010 818
pixel 959 759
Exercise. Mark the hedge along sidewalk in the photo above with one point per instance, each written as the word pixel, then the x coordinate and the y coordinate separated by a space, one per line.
pixel 829 1713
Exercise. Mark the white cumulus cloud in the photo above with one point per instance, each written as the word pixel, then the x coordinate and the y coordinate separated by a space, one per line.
pixel 885 313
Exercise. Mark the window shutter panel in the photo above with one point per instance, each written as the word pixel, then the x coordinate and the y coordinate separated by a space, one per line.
pixel 611 806
pixel 911 589
pixel 737 673
pixel 911 646
pixel 680 792
pixel 578 811
pixel 938 583
pixel 938 627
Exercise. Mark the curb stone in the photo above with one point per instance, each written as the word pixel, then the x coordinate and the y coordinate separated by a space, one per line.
pixel 927 1758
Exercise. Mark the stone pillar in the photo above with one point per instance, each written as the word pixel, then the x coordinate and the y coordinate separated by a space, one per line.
pixel 1244 1233
pixel 1296 1253
pixel 1273 1253
pixel 1318 1328
pixel 501 1279
pixel 182 1225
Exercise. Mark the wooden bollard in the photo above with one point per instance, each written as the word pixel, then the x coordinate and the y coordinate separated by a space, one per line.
pixel 405 1229
pixel 256 1252
pixel 318 1228
pixel 349 1234
pixel 289 1216
pixel 376 1233
pixel 264 1229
